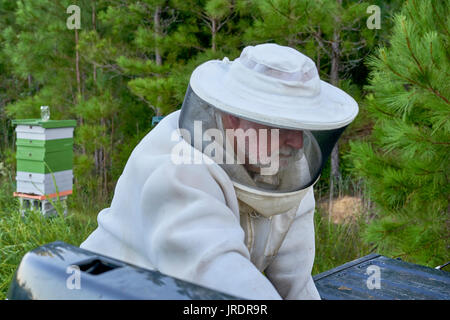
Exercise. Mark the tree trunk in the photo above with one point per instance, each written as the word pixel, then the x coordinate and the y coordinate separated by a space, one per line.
pixel 318 54
pixel 112 141
pixel 77 63
pixel 105 173
pixel 102 154
pixel 94 27
pixel 4 125
pixel 77 69
pixel 334 79
pixel 96 160
pixel 157 26
pixel 158 58
pixel 213 33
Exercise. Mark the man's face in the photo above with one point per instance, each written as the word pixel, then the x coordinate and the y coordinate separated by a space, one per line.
pixel 283 145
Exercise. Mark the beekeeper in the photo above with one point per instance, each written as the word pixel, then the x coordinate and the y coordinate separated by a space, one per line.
pixel 220 193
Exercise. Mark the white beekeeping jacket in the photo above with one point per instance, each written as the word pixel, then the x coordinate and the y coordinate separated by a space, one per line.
pixel 184 221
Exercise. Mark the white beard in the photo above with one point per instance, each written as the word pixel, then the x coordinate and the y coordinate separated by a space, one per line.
pixel 287 158
pixel 287 170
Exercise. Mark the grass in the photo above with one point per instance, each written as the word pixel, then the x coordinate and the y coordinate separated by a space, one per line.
pixel 335 244
pixel 18 234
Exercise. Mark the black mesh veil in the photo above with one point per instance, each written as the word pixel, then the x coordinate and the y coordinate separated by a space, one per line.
pixel 301 168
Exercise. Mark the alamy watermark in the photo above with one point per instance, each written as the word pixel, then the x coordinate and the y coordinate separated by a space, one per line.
pixel 74 280
pixel 74 20
pixel 374 20
pixel 261 150
pixel 374 279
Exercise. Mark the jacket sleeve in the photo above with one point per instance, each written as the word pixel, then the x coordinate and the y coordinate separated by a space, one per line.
pixel 190 233
pixel 290 272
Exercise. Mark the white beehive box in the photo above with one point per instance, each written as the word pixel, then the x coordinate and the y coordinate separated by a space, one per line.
pixel 31 132
pixel 43 184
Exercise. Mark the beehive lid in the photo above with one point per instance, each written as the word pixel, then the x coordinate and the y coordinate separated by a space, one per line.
pixel 49 124
pixel 397 280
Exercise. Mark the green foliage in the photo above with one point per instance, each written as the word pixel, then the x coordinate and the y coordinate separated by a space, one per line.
pixel 407 158
pixel 313 27
pixel 135 59
pixel 19 235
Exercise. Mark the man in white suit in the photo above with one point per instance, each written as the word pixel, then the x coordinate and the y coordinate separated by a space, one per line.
pixel 221 193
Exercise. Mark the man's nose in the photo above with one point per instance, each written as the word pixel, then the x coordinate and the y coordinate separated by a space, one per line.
pixel 291 138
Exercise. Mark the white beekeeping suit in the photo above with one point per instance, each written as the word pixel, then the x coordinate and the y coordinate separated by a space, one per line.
pixel 189 212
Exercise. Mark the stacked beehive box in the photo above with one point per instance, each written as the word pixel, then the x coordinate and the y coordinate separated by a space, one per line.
pixel 44 162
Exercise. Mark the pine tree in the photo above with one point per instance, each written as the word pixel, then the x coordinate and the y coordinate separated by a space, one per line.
pixel 12 87
pixel 152 55
pixel 332 32
pixel 76 75
pixel 406 161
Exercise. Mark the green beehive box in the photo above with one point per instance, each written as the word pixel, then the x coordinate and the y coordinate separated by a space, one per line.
pixel 44 146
